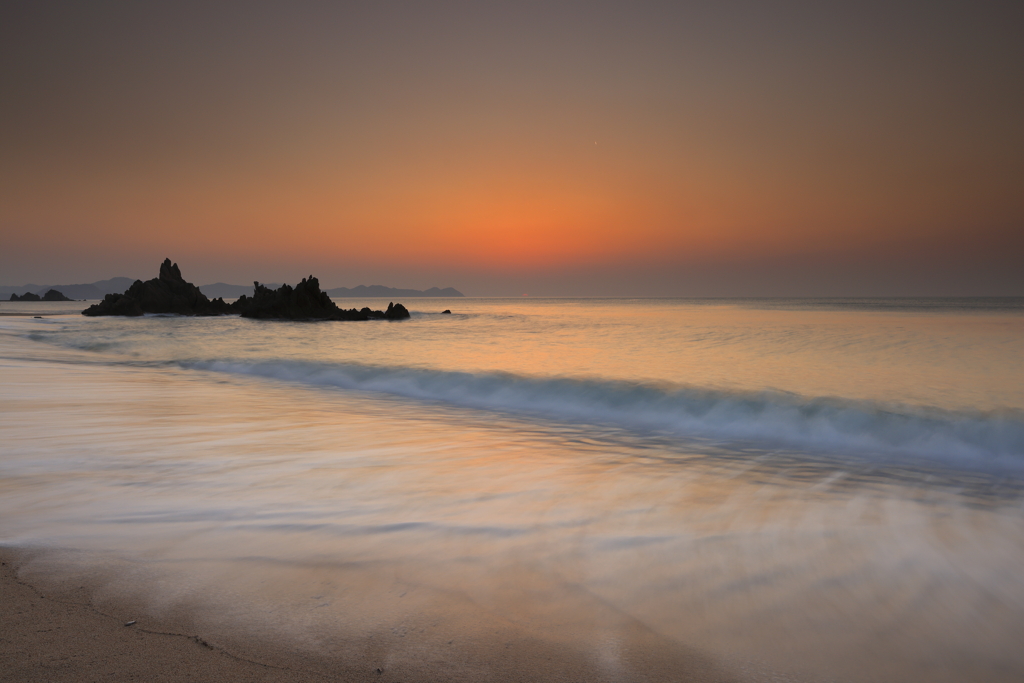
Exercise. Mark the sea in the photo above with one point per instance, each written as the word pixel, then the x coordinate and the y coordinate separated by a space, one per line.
pixel 789 489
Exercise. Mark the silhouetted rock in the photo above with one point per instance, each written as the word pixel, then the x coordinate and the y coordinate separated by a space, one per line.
pixel 396 312
pixel 27 296
pixel 115 304
pixel 446 312
pixel 168 293
pixel 305 301
pixel 54 295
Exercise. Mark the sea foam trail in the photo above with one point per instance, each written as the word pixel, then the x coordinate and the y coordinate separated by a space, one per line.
pixel 769 417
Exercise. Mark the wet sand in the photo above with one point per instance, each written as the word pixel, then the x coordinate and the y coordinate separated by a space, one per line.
pixel 61 637
pixel 53 631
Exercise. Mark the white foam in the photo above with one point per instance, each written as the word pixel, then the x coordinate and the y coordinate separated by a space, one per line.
pixel 835 424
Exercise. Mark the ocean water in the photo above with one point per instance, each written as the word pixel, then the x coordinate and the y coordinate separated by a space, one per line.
pixel 791 489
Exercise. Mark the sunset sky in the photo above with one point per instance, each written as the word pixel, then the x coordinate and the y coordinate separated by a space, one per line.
pixel 662 149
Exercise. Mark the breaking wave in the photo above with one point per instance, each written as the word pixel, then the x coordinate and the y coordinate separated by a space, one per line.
pixel 767 418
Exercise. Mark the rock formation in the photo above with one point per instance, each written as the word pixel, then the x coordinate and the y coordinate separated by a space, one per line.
pixel 395 312
pixel 170 293
pixel 54 295
pixel 27 296
pixel 305 301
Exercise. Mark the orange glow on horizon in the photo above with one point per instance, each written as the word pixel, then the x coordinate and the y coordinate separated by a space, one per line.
pixel 493 214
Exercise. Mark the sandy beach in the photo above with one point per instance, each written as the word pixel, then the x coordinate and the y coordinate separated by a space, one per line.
pixel 54 632
pixel 59 635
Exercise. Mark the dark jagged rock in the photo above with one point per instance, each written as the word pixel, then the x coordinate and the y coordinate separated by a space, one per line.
pixel 54 295
pixel 115 304
pixel 446 312
pixel 168 293
pixel 306 301
pixel 396 312
pixel 27 296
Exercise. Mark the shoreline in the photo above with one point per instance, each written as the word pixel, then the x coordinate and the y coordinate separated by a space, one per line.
pixel 51 630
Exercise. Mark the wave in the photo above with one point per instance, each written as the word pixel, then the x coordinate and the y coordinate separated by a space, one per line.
pixel 767 418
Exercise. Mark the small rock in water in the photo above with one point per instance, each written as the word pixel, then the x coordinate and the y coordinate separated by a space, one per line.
pixel 446 311
pixel 396 312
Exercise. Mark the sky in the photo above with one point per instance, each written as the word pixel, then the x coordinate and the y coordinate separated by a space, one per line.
pixel 546 149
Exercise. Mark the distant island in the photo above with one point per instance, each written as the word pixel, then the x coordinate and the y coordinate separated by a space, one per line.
pixel 93 290
pixel 51 295
pixel 171 293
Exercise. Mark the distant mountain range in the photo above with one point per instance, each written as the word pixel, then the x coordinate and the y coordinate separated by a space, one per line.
pixel 116 285
pixel 382 291
pixel 362 291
